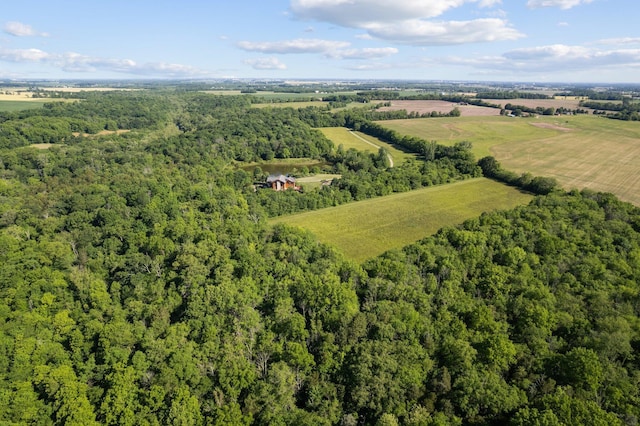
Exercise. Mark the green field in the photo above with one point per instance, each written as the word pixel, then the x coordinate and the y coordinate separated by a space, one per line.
pixel 483 132
pixel 579 151
pixel 20 105
pixel 361 142
pixel 301 104
pixel 315 181
pixel 368 228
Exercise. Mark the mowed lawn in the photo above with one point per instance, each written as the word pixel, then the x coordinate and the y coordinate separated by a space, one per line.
pixel 348 139
pixel 365 229
pixel 579 151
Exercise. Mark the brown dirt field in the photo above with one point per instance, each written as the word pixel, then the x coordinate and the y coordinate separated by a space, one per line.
pixel 535 103
pixel 43 145
pixel 17 96
pixel 87 89
pixel 425 107
pixel 102 132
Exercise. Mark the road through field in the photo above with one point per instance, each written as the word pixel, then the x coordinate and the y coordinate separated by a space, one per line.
pixel 373 144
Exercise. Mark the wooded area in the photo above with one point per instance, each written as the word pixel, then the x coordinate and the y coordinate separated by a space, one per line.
pixel 141 283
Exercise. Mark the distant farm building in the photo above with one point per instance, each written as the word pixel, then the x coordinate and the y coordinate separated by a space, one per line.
pixel 281 182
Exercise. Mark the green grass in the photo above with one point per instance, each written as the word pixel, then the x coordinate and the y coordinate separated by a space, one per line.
pixel 368 228
pixel 21 105
pixel 482 132
pixel 579 151
pixel 302 104
pixel 315 181
pixel 342 136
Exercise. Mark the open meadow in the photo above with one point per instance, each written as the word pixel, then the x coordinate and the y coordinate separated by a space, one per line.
pixel 294 104
pixel 368 228
pixel 21 104
pixel 579 151
pixel 19 99
pixel 362 142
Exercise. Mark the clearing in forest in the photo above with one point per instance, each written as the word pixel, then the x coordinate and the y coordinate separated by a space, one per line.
pixel 294 104
pixel 365 229
pixel 362 142
pixel 582 151
pixel 21 105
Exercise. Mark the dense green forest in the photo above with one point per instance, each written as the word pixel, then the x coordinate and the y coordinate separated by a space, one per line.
pixel 141 283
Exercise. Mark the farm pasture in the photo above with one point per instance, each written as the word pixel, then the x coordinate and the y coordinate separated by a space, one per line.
pixel 21 104
pixel 362 142
pixel 365 229
pixel 294 104
pixel 581 151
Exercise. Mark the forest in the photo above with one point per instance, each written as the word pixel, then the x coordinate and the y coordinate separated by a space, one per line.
pixel 141 282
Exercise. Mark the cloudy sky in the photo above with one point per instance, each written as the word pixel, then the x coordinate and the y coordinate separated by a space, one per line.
pixel 491 40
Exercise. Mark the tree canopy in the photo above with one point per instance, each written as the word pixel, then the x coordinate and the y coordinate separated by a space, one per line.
pixel 141 283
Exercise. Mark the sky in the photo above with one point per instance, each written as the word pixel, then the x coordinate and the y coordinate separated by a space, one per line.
pixel 590 41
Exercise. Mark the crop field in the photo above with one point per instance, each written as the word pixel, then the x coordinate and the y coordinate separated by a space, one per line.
pixel 362 142
pixel 444 107
pixel 579 151
pixel 368 228
pixel 570 102
pixel 21 104
pixel 295 104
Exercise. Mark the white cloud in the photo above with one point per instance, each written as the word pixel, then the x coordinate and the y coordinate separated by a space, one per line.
pixel 266 64
pixel 553 59
pixel 619 41
pixel 562 4
pixel 19 29
pixel 301 45
pixel 407 21
pixel 23 55
pixel 366 53
pixel 354 13
pixel 76 62
pixel 370 67
pixel 429 33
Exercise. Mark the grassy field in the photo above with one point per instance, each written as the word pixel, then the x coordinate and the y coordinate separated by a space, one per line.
pixel 302 104
pixel 368 228
pixel 348 139
pixel 315 181
pixel 579 151
pixel 483 132
pixel 21 105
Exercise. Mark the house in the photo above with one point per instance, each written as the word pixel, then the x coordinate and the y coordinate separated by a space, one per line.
pixel 281 182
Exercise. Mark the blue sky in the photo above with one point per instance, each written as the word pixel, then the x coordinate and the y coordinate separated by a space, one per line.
pixel 488 40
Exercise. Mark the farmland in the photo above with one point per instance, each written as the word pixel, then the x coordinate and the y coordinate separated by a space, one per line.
pixel 579 151
pixel 294 104
pixel 443 107
pixel 21 104
pixel 360 141
pixel 16 100
pixel 368 228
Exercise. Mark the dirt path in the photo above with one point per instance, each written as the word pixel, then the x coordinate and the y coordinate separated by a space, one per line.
pixel 372 144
